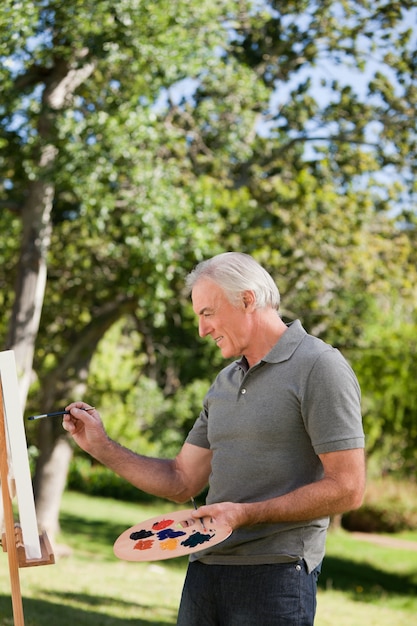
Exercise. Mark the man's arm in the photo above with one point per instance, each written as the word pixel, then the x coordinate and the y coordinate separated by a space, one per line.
pixel 176 479
pixel 341 489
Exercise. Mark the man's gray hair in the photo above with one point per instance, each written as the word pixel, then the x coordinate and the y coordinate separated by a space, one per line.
pixel 236 272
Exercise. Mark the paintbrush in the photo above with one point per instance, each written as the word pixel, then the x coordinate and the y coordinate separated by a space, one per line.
pixel 55 413
pixel 200 518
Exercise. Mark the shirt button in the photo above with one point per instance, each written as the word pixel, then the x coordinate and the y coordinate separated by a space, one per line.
pixel 243 391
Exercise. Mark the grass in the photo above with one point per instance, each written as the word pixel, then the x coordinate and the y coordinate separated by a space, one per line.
pixel 361 583
pixel 365 584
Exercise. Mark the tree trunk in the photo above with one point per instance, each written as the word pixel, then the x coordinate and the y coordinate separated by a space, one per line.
pixel 30 280
pixel 61 386
pixel 59 86
pixel 54 475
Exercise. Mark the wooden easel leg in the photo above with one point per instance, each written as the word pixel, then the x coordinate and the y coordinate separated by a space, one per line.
pixel 9 523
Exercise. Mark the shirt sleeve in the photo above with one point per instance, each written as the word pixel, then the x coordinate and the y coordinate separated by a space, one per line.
pixel 331 406
pixel 198 434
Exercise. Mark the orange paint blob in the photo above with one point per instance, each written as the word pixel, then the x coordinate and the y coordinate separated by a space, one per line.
pixel 143 544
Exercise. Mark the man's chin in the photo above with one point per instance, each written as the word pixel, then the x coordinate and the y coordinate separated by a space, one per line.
pixel 228 353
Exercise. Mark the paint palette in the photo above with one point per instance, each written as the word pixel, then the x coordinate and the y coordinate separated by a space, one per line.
pixel 168 536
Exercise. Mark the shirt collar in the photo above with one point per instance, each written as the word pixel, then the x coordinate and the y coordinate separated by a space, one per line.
pixel 286 344
pixel 284 347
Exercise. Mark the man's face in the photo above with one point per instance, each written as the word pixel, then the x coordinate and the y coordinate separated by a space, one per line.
pixel 225 323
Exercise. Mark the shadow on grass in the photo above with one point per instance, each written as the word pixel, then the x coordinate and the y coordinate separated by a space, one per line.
pixel 41 612
pixel 89 532
pixel 362 581
pixel 98 535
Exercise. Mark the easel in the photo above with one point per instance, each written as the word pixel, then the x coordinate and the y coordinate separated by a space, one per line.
pixel 12 538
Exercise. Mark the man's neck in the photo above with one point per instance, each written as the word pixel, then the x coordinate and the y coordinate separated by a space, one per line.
pixel 268 329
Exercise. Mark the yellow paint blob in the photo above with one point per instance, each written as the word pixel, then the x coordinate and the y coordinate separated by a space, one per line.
pixel 169 544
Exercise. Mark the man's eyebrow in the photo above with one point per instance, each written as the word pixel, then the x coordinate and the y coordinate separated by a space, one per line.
pixel 205 309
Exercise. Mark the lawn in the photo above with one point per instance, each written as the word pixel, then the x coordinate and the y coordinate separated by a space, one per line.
pixel 362 584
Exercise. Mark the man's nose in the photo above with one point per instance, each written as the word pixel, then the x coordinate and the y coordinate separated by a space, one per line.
pixel 203 327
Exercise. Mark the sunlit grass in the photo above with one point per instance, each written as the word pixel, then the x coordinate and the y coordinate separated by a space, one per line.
pixel 90 586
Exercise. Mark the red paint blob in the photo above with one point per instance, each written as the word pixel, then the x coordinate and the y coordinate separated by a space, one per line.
pixel 164 523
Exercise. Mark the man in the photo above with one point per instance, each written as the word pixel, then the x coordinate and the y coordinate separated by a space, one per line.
pixel 279 441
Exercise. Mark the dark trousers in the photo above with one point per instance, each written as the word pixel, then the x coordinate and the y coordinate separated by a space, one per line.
pixel 282 594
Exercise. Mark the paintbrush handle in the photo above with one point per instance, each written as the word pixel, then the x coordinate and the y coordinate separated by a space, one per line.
pixel 54 414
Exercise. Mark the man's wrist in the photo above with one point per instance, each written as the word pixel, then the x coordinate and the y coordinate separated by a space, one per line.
pixel 252 513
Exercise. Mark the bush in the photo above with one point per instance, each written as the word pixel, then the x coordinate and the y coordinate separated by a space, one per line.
pixel 390 506
pixel 94 479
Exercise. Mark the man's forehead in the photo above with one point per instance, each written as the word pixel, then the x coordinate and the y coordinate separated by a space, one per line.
pixel 205 294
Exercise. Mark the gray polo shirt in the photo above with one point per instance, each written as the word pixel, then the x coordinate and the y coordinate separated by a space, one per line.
pixel 266 426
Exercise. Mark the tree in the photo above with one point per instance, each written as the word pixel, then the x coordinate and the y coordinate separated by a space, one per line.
pixel 158 135
pixel 47 70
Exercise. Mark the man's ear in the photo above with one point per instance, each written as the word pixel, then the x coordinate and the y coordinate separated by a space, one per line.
pixel 249 300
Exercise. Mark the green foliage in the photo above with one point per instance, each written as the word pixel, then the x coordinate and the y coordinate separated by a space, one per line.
pixel 169 429
pixel 386 368
pixel 135 411
pixel 126 399
pixel 96 480
pixel 9 244
pixel 190 128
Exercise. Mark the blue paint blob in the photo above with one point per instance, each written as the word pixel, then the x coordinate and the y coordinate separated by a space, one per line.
pixel 141 534
pixel 169 533
pixel 195 540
